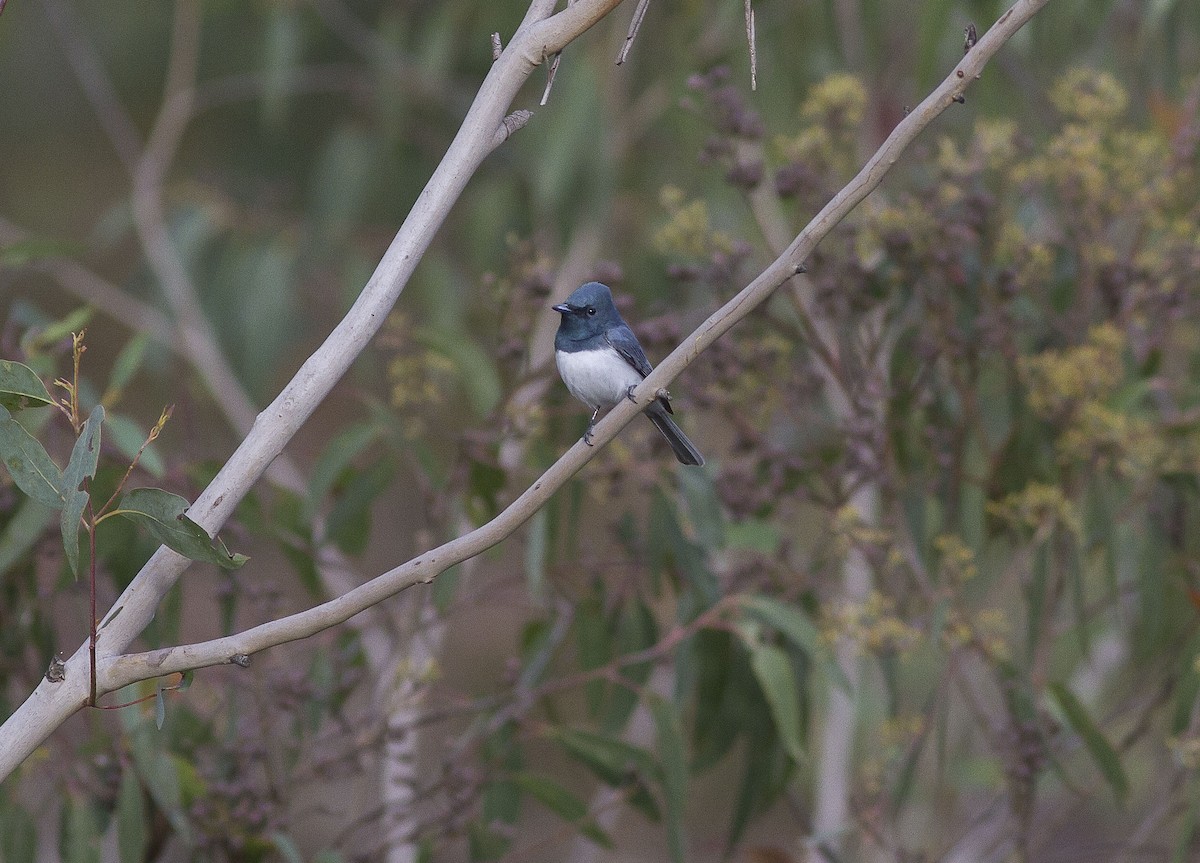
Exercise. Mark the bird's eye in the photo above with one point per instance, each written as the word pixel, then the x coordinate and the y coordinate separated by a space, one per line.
pixel 591 310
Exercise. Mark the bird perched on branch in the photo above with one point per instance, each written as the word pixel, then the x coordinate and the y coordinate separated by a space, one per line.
pixel 601 362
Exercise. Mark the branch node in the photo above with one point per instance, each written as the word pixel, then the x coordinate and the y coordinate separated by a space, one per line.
pixel 510 124
pixel 970 38
pixel 960 99
pixel 497 46
pixel 57 672
pixel 241 660
pixel 799 268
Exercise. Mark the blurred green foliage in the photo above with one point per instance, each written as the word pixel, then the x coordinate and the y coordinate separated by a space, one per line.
pixel 1001 344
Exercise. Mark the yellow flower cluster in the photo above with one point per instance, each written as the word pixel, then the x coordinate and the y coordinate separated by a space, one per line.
pixel 1038 505
pixel 988 628
pixel 1101 172
pixel 689 230
pixel 1060 381
pixel 849 530
pixel 872 624
pixel 831 116
pixel 956 559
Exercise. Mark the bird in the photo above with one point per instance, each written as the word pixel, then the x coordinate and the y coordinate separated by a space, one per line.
pixel 601 362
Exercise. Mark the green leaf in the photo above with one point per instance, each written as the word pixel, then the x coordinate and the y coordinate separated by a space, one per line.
pixel 793 624
pixel 132 834
pixel 475 367
pixel 349 523
pixel 85 455
pixel 1097 744
pixel 160 709
pixel 31 249
pixel 753 535
pixel 485 843
pixel 37 338
pixel 535 554
pixel 635 631
pixel 126 365
pixel 21 388
pixel 723 687
pixel 612 760
pixel 284 45
pixel 501 802
pixel 773 670
pixel 593 646
pixel 334 459
pixel 703 505
pixel 286 847
pixel 162 514
pixel 562 803
pixel 30 467
pixel 22 532
pixel 81 833
pixel 674 770
pixel 18 834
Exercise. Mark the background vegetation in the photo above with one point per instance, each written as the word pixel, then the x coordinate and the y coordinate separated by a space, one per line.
pixel 983 397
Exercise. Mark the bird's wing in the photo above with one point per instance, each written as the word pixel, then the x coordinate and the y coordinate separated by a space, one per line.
pixel 626 344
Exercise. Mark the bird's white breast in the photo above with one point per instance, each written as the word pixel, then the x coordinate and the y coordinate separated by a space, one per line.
pixel 597 378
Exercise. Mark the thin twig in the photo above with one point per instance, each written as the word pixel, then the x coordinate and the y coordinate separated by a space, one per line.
pixel 634 25
pixel 553 70
pixel 750 40
pixel 96 84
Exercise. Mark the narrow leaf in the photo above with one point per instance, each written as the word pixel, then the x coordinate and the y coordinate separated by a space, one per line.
pixel 336 457
pixel 21 388
pixel 773 670
pixel 21 532
pixel 81 833
pixel 1097 744
pixel 286 847
pixel 674 770
pixel 31 468
pixel 790 622
pixel 612 760
pixel 126 365
pixel 132 833
pixel 18 834
pixel 160 709
pixel 84 457
pixel 562 803
pixel 162 514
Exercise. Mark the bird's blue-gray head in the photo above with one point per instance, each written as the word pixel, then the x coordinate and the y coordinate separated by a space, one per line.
pixel 587 313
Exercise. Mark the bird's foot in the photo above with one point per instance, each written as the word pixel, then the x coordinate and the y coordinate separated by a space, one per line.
pixel 629 393
pixel 587 434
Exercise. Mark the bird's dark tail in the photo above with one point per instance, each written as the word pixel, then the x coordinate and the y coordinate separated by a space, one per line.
pixel 683 448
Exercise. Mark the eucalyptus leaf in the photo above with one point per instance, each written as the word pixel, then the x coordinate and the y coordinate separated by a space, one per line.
pixel 28 463
pixel 673 758
pixel 84 457
pixel 775 675
pixel 564 804
pixel 163 515
pixel 1102 752
pixel 21 388
pixel 132 826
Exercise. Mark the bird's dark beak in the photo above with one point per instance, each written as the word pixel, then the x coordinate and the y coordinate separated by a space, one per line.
pixel 563 309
